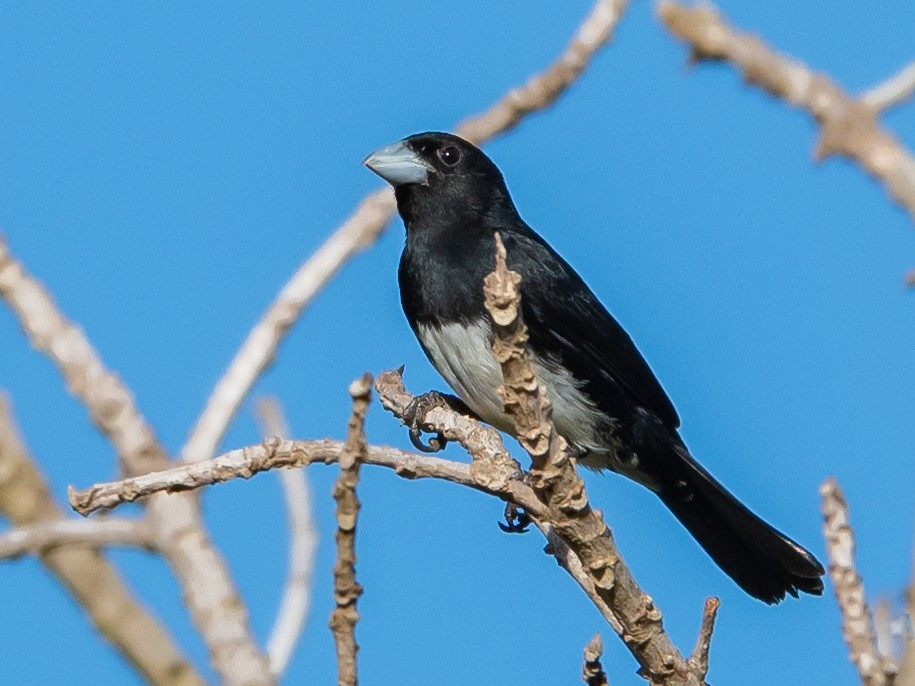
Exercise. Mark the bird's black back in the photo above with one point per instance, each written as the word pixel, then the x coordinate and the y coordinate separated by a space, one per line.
pixel 449 251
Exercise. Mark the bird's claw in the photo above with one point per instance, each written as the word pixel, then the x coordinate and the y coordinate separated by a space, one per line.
pixel 517 521
pixel 414 415
pixel 435 444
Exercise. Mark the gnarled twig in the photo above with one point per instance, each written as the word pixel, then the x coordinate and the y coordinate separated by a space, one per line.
pixel 346 589
pixel 557 484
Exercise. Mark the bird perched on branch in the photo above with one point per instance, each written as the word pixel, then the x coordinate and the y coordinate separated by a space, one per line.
pixel 607 403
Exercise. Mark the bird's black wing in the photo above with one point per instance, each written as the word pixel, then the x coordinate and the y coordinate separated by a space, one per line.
pixel 567 321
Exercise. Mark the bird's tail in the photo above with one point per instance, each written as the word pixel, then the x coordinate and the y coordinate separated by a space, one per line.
pixel 763 561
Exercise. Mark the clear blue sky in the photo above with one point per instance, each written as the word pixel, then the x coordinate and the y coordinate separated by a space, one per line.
pixel 164 167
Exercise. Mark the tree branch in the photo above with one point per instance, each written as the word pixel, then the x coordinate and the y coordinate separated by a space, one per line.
pixel 273 453
pixel 849 590
pixel 303 543
pixel 495 472
pixel 699 659
pixel 36 539
pixel 543 89
pixel 84 572
pixel 556 482
pixel 346 589
pixel 848 126
pixel 368 222
pixel 210 595
pixel 492 472
pixel 111 406
pixel 894 91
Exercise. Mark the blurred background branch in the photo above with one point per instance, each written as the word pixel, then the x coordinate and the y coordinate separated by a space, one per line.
pixel 848 126
pixel 303 545
pixel 25 501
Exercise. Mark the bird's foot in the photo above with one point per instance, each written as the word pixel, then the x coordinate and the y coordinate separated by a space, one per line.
pixel 517 520
pixel 414 417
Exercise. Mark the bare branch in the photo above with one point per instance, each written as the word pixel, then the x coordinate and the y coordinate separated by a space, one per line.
pixel 269 414
pixel 543 89
pixel 556 482
pixel 894 91
pixel 303 543
pixel 210 595
pixel 346 589
pixel 96 586
pixel 571 563
pixel 216 609
pixel 368 222
pixel 111 406
pixel 856 621
pixel 848 127
pixel 259 350
pixel 593 673
pixel 243 463
pixel 698 661
pixel 36 539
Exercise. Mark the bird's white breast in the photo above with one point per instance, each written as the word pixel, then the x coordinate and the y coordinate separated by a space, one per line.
pixel 462 354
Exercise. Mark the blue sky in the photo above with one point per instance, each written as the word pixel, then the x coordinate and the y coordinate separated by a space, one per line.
pixel 165 167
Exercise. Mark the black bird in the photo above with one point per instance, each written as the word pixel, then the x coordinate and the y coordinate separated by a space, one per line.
pixel 607 403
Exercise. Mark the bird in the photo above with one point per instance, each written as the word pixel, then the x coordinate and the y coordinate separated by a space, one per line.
pixel 607 402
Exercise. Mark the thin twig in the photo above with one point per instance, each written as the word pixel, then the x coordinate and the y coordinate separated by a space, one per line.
pixel 698 661
pixel 243 463
pixel 593 672
pixel 26 502
pixel 848 126
pixel 849 590
pixel 36 539
pixel 894 91
pixel 367 223
pixel 556 482
pixel 303 543
pixel 346 589
pixel 209 593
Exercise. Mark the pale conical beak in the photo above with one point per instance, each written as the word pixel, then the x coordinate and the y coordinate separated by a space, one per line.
pixel 397 164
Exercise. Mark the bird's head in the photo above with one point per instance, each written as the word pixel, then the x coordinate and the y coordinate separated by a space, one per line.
pixel 440 175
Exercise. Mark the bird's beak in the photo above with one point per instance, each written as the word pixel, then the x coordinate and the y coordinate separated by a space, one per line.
pixel 397 164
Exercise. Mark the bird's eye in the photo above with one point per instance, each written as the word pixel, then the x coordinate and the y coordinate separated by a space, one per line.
pixel 450 155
